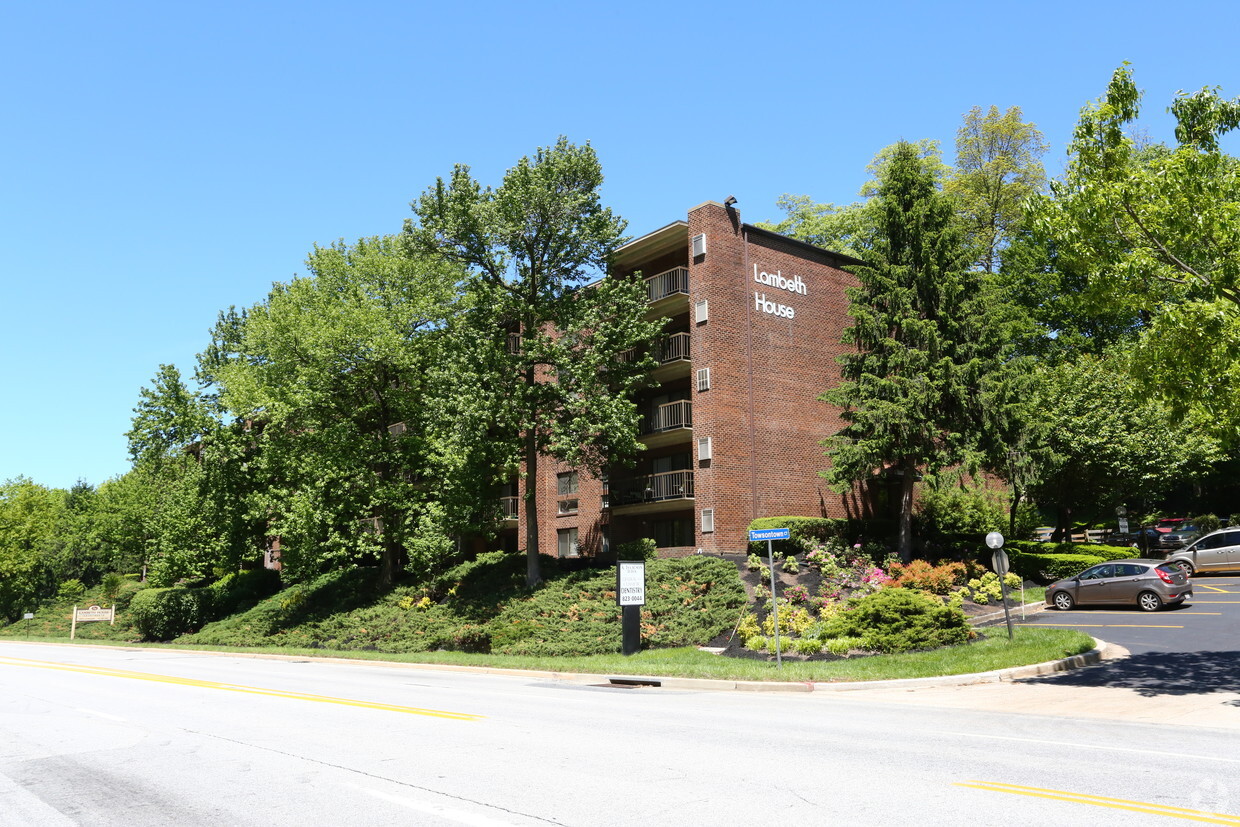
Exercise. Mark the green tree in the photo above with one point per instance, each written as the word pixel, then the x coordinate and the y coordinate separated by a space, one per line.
pixel 338 379
pixel 907 391
pixel 29 517
pixel 1102 442
pixel 1155 229
pixel 532 245
pixel 998 168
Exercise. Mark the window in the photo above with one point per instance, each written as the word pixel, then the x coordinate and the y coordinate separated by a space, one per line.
pixel 700 311
pixel 703 380
pixel 704 449
pixel 566 483
pixel 567 542
pixel 567 506
pixel 708 520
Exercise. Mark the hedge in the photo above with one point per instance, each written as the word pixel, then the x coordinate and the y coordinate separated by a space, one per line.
pixel 163 614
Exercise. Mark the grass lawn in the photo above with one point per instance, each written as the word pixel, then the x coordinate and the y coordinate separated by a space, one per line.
pixel 993 651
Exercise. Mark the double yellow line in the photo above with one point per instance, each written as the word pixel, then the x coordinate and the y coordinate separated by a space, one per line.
pixel 1102 801
pixel 232 687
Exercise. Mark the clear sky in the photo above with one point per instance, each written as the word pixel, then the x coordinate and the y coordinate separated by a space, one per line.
pixel 163 161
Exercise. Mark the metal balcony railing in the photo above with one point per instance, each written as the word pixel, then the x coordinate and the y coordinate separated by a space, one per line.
pixel 668 283
pixel 669 417
pixel 668 485
pixel 675 347
pixel 509 505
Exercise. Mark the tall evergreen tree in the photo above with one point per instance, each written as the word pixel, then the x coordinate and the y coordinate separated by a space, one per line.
pixel 909 391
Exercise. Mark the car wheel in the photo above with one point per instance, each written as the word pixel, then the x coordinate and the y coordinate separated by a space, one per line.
pixel 1063 601
pixel 1184 566
pixel 1149 602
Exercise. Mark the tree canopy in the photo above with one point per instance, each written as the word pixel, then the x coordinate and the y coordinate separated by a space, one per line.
pixel 532 246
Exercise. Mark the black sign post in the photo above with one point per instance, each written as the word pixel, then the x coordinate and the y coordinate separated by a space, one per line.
pixel 631 595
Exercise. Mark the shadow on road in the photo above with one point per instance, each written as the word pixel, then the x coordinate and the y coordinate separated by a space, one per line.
pixel 1159 673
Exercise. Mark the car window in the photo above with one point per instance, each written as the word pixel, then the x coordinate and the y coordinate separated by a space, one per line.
pixel 1098 572
pixel 1215 540
pixel 1128 570
pixel 1231 538
pixel 1168 568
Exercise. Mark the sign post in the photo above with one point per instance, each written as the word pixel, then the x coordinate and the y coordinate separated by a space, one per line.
pixel 1000 562
pixel 631 595
pixel 771 534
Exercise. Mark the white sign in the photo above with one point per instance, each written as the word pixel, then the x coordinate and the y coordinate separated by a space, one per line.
pixel 1123 525
pixel 780 282
pixel 631 583
pixel 28 616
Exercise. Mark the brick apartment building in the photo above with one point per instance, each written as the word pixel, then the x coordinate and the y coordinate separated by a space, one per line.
pixel 732 430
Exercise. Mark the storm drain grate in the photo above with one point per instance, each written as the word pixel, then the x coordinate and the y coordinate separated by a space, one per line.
pixel 629 683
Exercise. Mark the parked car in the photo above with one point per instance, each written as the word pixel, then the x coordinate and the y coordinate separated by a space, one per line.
pixel 1168 524
pixel 1216 551
pixel 1150 584
pixel 1146 539
pixel 1180 536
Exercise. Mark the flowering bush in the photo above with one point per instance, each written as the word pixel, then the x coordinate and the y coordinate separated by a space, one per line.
pixel 790 564
pixel 920 574
pixel 797 594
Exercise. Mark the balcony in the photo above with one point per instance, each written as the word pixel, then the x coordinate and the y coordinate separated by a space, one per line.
pixel 664 491
pixel 668 291
pixel 509 506
pixel 667 424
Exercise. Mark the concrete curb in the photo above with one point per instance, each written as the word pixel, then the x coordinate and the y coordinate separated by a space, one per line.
pixel 1014 673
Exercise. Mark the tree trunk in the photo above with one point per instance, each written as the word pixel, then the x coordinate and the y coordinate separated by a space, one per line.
pixel 533 574
pixel 905 542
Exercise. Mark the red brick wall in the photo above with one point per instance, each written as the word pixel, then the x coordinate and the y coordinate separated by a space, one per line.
pixel 761 411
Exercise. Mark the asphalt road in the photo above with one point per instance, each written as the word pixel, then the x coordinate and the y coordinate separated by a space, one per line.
pixel 1210 622
pixel 154 737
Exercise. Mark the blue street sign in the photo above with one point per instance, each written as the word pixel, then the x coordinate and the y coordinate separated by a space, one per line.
pixel 770 534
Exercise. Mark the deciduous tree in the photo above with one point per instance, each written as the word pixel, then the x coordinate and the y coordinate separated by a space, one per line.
pixel 532 245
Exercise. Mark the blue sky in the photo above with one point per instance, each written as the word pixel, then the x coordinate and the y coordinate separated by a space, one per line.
pixel 163 161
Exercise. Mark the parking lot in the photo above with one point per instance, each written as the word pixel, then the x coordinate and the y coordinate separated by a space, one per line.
pixel 1209 622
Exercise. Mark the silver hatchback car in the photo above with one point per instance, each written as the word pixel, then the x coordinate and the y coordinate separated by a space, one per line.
pixel 1217 551
pixel 1150 584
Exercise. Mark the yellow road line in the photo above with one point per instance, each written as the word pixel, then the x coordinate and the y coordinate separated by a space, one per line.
pixel 250 690
pixel 1102 801
pixel 1107 625
pixel 1212 588
pixel 1180 613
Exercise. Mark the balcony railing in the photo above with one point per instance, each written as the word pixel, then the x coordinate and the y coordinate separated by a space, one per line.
pixel 669 417
pixel 668 485
pixel 667 283
pixel 672 349
pixel 675 347
pixel 509 505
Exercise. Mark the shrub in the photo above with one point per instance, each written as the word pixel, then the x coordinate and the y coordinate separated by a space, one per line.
pixel 900 620
pixel 757 643
pixel 920 574
pixel 797 594
pixel 643 549
pixel 241 590
pixel 813 530
pixel 163 614
pixel 112 585
pixel 843 646
pixel 1207 523
pixel 70 591
pixel 961 509
pixel 753 562
pixel 807 646
pixel 790 564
